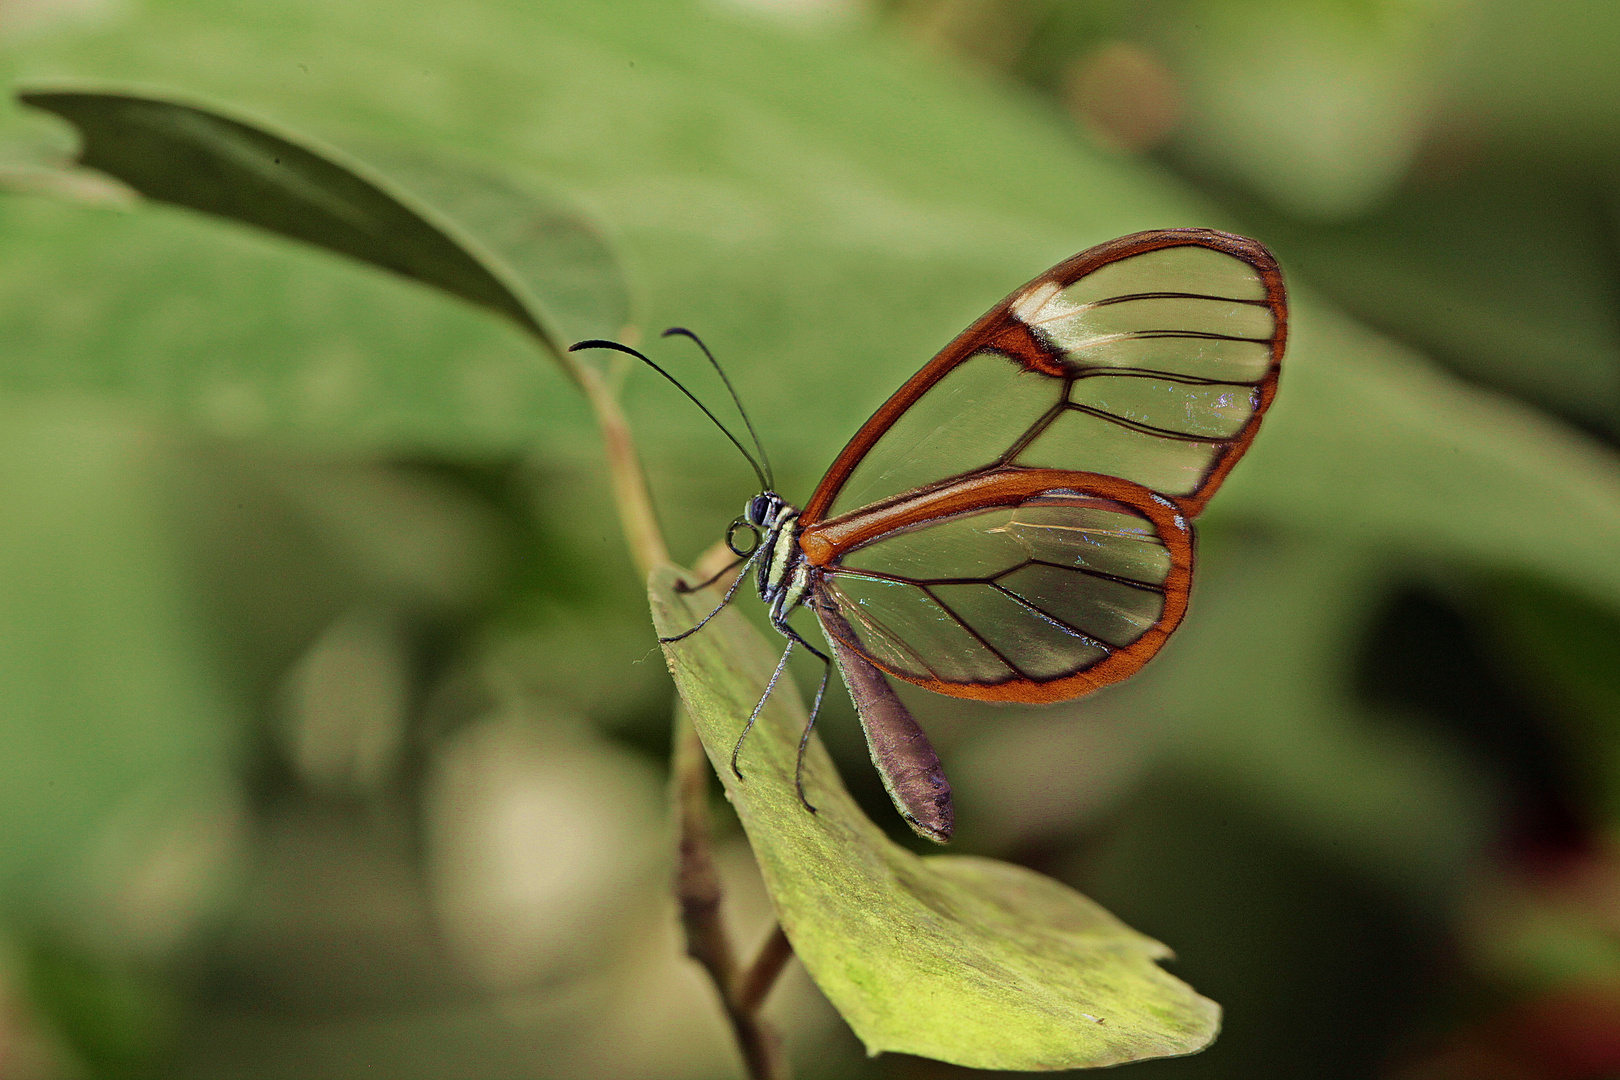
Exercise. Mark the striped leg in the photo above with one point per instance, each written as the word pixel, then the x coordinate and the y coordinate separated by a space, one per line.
pixel 742 576
pixel 763 698
pixel 815 709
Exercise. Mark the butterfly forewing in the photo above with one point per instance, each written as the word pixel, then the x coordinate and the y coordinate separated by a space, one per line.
pixel 1013 523
pixel 1150 358
pixel 965 423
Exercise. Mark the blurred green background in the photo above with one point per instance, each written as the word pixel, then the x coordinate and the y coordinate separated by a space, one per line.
pixel 331 738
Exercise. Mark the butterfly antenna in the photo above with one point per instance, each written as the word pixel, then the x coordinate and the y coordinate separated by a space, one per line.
pixel 597 343
pixel 765 460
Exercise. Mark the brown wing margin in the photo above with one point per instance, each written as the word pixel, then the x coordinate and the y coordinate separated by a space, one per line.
pixel 824 545
pixel 1001 331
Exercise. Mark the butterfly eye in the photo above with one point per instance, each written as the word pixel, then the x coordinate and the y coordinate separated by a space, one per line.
pixel 759 509
pixel 742 525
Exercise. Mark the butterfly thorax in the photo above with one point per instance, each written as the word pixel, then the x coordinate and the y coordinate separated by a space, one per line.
pixel 784 576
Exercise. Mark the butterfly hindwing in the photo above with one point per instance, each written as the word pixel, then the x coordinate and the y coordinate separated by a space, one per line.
pixel 1036 585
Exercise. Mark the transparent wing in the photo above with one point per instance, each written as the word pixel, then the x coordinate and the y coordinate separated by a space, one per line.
pixel 1045 596
pixel 967 422
pixel 1150 358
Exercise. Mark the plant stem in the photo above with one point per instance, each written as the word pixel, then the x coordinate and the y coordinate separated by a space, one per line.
pixel 697 883
pixel 762 974
pixel 630 491
pixel 698 892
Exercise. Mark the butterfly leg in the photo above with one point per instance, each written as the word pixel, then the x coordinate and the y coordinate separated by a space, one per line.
pixel 815 709
pixel 735 585
pixel 763 698
pixel 810 725
pixel 683 587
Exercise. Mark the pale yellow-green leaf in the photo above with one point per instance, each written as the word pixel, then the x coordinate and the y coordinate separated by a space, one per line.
pixel 962 959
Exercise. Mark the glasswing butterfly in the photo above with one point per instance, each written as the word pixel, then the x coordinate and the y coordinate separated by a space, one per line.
pixel 1014 524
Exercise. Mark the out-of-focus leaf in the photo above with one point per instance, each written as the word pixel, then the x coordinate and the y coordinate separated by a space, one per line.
pixel 113 717
pixel 1505 274
pixel 279 546
pixel 1256 693
pixel 1567 650
pixel 1366 444
pixel 966 960
pixel 151 590
pixel 119 1024
pixel 198 158
pixel 1539 78
pixel 1318 107
pixel 559 264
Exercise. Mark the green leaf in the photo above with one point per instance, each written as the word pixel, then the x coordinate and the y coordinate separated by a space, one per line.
pixel 560 266
pixel 114 721
pixel 1368 444
pixel 1329 104
pixel 1431 268
pixel 1255 693
pixel 507 250
pixel 152 590
pixel 966 960
pixel 120 1023
pixel 1567 651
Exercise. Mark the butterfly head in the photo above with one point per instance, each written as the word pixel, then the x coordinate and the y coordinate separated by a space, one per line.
pixel 764 510
pixel 763 515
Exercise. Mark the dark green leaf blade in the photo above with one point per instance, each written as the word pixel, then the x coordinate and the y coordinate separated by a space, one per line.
pixel 558 264
pixel 965 960
pixel 195 157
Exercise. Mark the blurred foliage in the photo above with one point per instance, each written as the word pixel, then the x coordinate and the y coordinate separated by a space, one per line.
pixel 964 960
pixel 326 747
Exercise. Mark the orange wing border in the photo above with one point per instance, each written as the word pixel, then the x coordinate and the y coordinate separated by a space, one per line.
pixel 1002 332
pixel 826 543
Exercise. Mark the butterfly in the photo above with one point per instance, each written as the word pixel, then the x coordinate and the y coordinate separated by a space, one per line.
pixel 1015 522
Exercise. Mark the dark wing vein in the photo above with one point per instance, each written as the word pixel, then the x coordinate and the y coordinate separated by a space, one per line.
pixel 1148 429
pixel 1145 586
pixel 1053 619
pixel 1207 335
pixel 1033 432
pixel 1155 373
pixel 877 626
pixel 900 579
pixel 980 638
pixel 1175 296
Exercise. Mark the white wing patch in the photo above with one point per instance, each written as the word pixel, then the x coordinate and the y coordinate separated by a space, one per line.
pixel 1029 304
